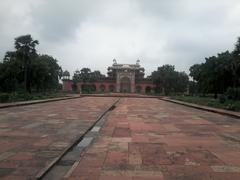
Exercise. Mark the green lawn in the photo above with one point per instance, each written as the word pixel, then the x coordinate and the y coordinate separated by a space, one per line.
pixel 211 102
pixel 15 97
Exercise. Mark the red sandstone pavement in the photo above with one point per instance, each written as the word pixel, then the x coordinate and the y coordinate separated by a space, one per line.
pixel 150 139
pixel 141 139
pixel 32 136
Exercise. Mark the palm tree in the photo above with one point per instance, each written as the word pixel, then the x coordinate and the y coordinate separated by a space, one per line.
pixel 25 46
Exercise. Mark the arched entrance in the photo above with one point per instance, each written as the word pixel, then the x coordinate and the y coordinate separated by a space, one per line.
pixel 148 90
pixel 102 88
pixel 125 85
pixel 111 88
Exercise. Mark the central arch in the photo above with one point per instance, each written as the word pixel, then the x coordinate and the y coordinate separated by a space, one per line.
pixel 125 85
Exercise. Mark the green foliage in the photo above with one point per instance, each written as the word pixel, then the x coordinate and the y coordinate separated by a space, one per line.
pixel 4 97
pixel 169 81
pixel 231 107
pixel 212 103
pixel 233 93
pixel 9 78
pixel 23 96
pixel 211 75
pixel 26 52
pixel 193 88
pixel 209 101
pixel 85 75
pixel 218 73
pixel 222 98
pixel 45 73
pixel 25 70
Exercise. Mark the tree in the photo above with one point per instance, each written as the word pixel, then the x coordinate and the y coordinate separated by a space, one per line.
pixel 85 74
pixel 25 50
pixel 11 73
pixel 235 64
pixel 193 88
pixel 9 56
pixel 96 76
pixel 181 83
pixel 195 71
pixel 45 73
pixel 168 80
pixel 24 69
pixel 213 76
pixel 163 78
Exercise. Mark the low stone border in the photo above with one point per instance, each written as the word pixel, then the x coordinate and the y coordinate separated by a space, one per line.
pixel 25 103
pixel 120 95
pixel 205 108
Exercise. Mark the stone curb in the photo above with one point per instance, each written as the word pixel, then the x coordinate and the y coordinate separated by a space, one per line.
pixel 119 95
pixel 205 108
pixel 25 103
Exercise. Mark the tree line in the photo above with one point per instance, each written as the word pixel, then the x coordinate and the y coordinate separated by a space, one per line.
pixel 25 70
pixel 86 76
pixel 219 74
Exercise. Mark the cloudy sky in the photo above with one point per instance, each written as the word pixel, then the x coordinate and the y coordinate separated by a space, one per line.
pixel 91 33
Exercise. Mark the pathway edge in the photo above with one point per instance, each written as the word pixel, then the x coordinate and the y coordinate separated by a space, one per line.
pixel 25 103
pixel 205 108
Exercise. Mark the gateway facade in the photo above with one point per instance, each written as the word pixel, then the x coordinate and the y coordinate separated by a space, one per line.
pixel 122 78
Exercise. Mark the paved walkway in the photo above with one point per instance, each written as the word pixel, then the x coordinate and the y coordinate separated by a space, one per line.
pixel 32 136
pixel 142 139
pixel 150 139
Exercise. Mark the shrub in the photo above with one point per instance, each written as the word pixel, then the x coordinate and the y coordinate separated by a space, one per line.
pixel 4 97
pixel 211 103
pixel 23 97
pixel 231 107
pixel 233 93
pixel 222 99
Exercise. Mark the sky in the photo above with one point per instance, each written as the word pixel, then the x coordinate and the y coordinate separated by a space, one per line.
pixel 91 33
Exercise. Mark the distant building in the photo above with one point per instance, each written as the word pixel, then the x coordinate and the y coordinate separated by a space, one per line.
pixel 122 78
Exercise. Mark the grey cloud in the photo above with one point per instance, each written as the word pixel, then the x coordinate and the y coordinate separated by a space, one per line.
pixel 82 33
pixel 57 20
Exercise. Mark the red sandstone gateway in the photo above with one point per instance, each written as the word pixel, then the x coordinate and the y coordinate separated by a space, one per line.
pixel 125 78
